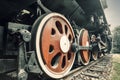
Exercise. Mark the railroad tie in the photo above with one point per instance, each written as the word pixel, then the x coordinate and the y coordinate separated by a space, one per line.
pixel 97 69
pixel 91 75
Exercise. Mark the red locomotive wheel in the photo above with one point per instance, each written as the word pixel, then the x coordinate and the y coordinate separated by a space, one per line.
pixel 84 41
pixel 53 36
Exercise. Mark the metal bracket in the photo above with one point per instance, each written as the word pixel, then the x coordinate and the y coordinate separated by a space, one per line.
pixel 26 66
pixel 21 29
pixel 22 74
pixel 26 35
pixel 17 26
pixel 32 65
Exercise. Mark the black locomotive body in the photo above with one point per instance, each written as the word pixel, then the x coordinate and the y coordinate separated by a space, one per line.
pixel 49 37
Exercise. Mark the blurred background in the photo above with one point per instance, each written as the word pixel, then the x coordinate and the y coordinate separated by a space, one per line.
pixel 113 17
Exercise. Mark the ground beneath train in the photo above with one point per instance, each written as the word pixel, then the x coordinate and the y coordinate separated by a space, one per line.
pixel 112 74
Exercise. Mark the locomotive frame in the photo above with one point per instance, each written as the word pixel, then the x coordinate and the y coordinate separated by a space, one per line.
pixel 78 43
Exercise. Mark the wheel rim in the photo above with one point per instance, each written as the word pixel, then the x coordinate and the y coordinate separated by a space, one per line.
pixel 53 35
pixel 94 55
pixel 84 41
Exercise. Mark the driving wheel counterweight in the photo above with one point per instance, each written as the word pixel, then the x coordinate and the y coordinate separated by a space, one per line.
pixel 52 37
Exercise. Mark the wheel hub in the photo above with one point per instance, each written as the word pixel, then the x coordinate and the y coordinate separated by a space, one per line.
pixel 64 44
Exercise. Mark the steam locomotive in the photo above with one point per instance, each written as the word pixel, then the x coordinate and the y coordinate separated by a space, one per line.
pixel 50 37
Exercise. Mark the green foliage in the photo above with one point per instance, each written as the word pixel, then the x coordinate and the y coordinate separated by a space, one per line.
pixel 116 40
pixel 116 75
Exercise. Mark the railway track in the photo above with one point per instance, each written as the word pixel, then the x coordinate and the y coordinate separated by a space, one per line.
pixel 96 70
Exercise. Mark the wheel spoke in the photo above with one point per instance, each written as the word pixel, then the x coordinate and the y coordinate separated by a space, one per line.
pixel 51 56
pixel 66 59
pixel 50 53
pixel 69 35
pixel 60 62
pixel 63 28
